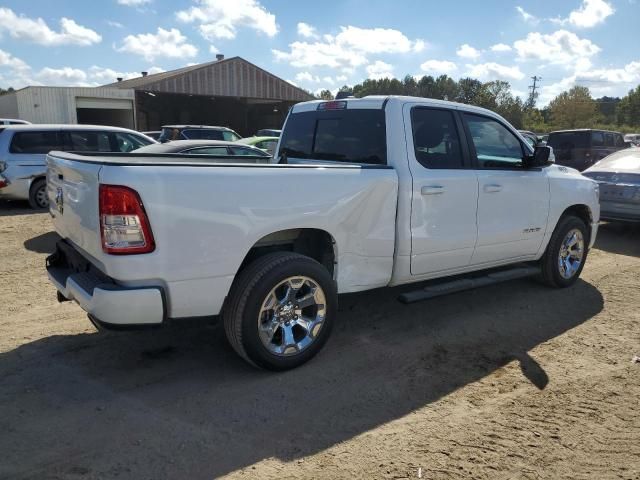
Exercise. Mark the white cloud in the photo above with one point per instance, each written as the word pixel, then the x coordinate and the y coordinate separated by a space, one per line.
pixel 348 49
pixel 380 69
pixel 133 3
pixel 560 47
pixel 213 50
pixel 328 80
pixel 629 74
pixel 307 31
pixel 102 76
pixel 527 17
pixel 467 51
pixel 165 43
pixel 600 81
pixel 590 14
pixel 113 24
pixel 438 67
pixel 341 78
pixel 62 76
pixel 419 45
pixel 221 18
pixel 500 47
pixel 307 77
pixel 494 71
pixel 37 31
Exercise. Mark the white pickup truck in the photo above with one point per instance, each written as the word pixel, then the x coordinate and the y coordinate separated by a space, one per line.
pixel 364 193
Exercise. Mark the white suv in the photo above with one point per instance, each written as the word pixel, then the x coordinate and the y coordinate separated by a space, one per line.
pixel 23 149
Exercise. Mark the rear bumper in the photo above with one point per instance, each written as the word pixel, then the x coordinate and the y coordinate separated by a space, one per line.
pixel 108 304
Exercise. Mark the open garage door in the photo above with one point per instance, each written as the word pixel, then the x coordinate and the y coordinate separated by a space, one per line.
pixel 114 112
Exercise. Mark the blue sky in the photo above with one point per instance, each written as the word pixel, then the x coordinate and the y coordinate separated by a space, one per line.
pixel 327 44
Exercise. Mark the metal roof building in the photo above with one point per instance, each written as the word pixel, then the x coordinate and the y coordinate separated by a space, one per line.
pixel 227 92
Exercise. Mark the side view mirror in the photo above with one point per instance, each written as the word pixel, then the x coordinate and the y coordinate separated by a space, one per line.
pixel 540 158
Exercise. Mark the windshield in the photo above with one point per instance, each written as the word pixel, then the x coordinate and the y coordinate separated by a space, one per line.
pixel 354 136
pixel 568 140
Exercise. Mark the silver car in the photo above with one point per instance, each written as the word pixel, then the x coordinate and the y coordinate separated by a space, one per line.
pixel 619 179
pixel 23 149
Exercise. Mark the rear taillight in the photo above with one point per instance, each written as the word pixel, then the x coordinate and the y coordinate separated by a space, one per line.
pixel 124 225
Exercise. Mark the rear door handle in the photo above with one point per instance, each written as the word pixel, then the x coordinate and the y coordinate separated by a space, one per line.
pixel 432 190
pixel 492 188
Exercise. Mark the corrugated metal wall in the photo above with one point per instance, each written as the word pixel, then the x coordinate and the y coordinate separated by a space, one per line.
pixel 233 78
pixel 58 104
pixel 9 105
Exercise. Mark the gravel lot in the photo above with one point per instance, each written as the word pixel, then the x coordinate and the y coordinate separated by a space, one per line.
pixel 512 381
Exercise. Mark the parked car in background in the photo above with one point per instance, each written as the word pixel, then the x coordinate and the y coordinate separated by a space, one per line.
pixel 619 179
pixel 13 121
pixel 544 139
pixel 268 132
pixel 580 149
pixel 23 149
pixel 197 132
pixel 155 134
pixel 205 147
pixel 633 138
pixel 268 144
pixel 364 193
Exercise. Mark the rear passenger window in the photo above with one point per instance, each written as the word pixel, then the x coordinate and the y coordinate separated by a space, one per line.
pixel 619 141
pixel 126 142
pixel 597 139
pixel 88 141
pixel 496 146
pixel 35 142
pixel 229 136
pixel 436 141
pixel 208 151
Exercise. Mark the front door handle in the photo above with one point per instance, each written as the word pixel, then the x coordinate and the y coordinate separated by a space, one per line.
pixel 432 190
pixel 493 188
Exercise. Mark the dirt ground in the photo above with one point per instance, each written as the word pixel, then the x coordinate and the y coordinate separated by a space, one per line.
pixel 512 381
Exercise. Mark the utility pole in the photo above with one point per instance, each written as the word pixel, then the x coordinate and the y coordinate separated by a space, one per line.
pixel 533 95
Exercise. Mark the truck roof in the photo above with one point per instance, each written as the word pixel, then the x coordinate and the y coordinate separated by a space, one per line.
pixel 380 101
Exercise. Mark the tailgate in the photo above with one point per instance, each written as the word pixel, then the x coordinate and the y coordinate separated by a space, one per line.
pixel 72 189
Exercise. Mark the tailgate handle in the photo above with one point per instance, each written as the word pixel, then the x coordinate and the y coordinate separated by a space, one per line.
pixel 492 188
pixel 432 190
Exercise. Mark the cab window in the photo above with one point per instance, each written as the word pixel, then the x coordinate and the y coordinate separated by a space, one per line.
pixel 495 145
pixel 436 141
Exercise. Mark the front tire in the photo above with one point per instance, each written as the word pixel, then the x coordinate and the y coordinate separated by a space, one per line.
pixel 280 311
pixel 566 253
pixel 38 195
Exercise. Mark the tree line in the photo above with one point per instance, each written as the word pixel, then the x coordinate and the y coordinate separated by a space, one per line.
pixel 575 108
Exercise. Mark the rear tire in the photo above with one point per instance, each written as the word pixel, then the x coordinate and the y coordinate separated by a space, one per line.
pixel 38 195
pixel 565 256
pixel 280 310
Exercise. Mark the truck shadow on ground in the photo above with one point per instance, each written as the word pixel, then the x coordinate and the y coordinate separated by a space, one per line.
pixel 619 238
pixel 178 403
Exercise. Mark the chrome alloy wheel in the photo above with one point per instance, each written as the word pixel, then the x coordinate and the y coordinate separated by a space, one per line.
pixel 291 316
pixel 571 253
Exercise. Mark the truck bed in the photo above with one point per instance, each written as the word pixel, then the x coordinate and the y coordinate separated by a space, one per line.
pixel 206 215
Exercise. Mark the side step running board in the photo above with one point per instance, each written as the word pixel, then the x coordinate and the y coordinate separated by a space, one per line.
pixel 462 284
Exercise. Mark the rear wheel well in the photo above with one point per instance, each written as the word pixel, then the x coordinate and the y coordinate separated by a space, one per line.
pixel 583 213
pixel 314 243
